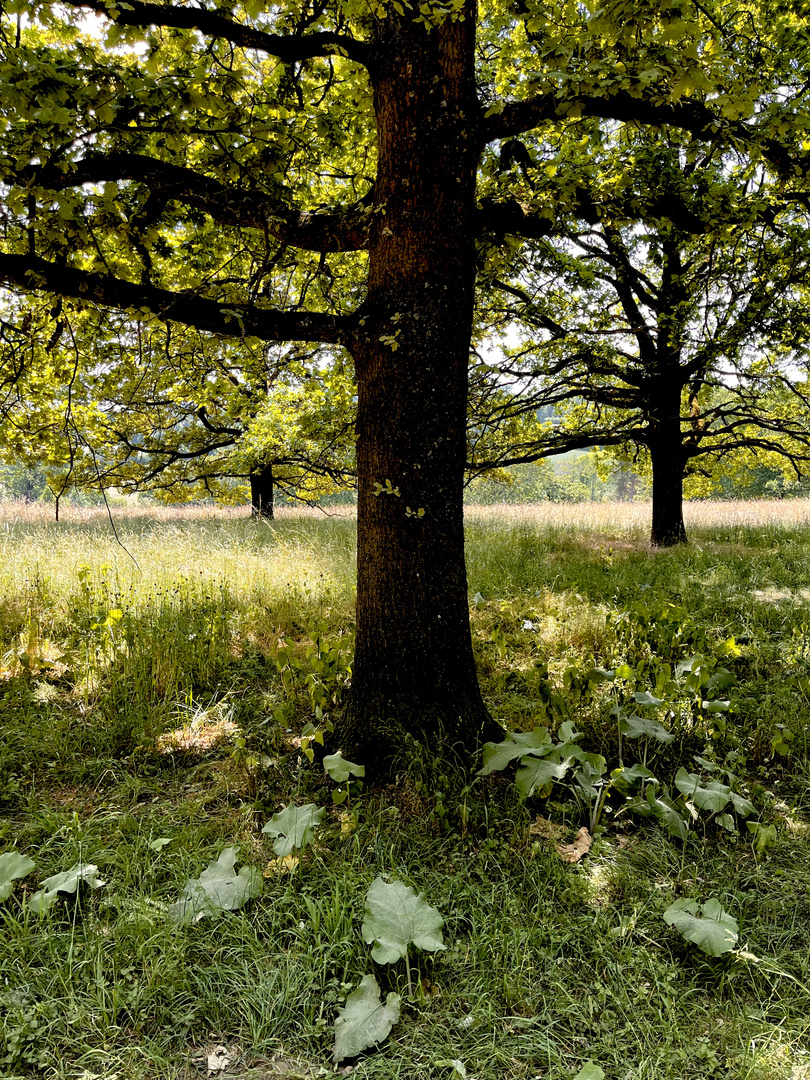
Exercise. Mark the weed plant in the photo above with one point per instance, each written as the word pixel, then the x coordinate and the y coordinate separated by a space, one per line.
pixel 153 701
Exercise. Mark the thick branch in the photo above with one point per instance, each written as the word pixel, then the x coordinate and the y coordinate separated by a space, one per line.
pixel 692 116
pixel 288 48
pixel 31 273
pixel 227 205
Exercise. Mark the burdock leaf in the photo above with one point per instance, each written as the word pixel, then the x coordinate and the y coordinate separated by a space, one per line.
pixel 710 927
pixel 218 888
pixel 517 743
pixel 67 882
pixel 364 1021
pixel 395 918
pixel 340 769
pixel 635 727
pixel 535 773
pixel 13 865
pixel 294 827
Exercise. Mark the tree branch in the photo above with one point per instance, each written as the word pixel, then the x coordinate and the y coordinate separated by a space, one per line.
pixel 31 273
pixel 288 48
pixel 227 205
pixel 692 116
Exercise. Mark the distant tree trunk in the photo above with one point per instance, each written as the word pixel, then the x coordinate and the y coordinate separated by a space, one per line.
pixel 668 467
pixel 414 680
pixel 261 493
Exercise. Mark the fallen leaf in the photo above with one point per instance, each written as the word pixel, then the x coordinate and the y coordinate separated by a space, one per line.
pixel 549 830
pixel 219 1060
pixel 572 853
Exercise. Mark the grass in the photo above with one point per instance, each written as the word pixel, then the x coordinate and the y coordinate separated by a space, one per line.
pixel 158 693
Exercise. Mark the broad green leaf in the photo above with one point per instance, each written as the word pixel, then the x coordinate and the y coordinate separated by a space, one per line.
pixel 716 706
pixel 67 882
pixel 590 1071
pixel 712 796
pixel 626 777
pixel 598 675
pixel 535 773
pixel 340 769
pixel 293 827
pixel 218 888
pixel 643 697
pixel 13 865
pixel 517 743
pixel 662 809
pixel 396 918
pixel 764 836
pixel 743 807
pixel 708 926
pixel 364 1021
pixel 635 727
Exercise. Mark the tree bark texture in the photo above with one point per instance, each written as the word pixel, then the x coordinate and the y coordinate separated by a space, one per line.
pixel 668 467
pixel 262 493
pixel 414 676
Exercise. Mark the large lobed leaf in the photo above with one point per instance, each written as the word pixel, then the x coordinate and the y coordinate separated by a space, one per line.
pixel 710 927
pixel 293 827
pixel 67 882
pixel 218 888
pixel 13 865
pixel 395 918
pixel 517 743
pixel 364 1021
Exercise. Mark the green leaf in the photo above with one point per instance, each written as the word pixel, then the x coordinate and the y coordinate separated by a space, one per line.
pixel 598 675
pixel 68 882
pixel 294 827
pixel 716 706
pixel 764 836
pixel 517 743
pixel 364 1021
pixel 218 888
pixel 535 773
pixel 590 1071
pixel 13 865
pixel 643 697
pixel 395 918
pixel 340 769
pixel 713 796
pixel 635 727
pixel 708 926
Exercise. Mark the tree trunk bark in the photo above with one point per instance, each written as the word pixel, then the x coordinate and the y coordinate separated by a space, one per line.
pixel 261 493
pixel 414 679
pixel 668 466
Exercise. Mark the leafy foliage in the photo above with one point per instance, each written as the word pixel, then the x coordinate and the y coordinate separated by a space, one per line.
pixel 396 918
pixel 293 827
pixel 13 866
pixel 340 769
pixel 707 925
pixel 364 1021
pixel 67 883
pixel 218 888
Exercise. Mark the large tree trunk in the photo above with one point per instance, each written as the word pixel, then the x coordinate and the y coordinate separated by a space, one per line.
pixel 414 677
pixel 668 466
pixel 261 493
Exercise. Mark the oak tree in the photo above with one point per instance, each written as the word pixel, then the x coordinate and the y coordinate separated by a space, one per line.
pixel 221 165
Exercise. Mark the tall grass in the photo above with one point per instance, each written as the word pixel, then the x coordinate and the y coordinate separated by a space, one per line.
pixel 207 622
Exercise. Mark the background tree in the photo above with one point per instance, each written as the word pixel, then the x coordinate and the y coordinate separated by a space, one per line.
pixel 678 335
pixel 170 164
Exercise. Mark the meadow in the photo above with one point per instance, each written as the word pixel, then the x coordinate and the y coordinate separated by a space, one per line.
pixel 160 688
